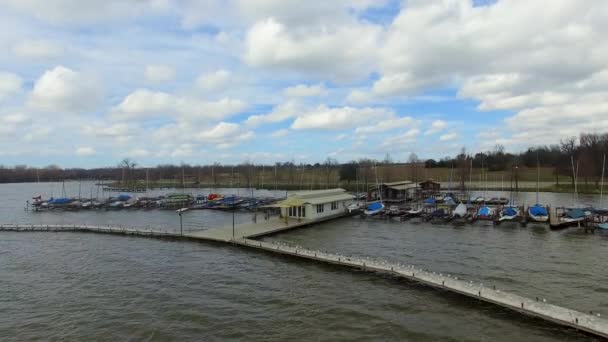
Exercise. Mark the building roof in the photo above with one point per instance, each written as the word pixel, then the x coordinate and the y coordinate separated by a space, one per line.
pixel 429 181
pixel 315 197
pixel 390 184
pixel 402 187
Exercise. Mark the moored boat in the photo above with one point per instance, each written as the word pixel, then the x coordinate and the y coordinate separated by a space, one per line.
pixel 374 208
pixel 538 213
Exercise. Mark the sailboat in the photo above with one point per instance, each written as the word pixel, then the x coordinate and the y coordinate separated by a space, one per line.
pixel 603 225
pixel 356 206
pixel 375 207
pixel 538 212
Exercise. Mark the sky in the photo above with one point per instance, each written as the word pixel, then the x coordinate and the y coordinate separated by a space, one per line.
pixel 88 83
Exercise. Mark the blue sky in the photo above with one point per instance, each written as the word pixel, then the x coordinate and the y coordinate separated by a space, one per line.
pixel 88 83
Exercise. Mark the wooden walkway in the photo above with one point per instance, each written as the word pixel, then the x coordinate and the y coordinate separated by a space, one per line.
pixel 592 324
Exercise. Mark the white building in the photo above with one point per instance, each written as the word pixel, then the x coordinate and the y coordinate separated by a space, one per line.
pixel 315 204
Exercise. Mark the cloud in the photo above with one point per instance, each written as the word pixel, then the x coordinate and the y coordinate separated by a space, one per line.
pixel 436 127
pixel 64 90
pixel 342 53
pixel 85 151
pixel 338 118
pixel 387 125
pixel 70 12
pixel 404 138
pixel 280 113
pixel 14 119
pixel 37 49
pixel 448 136
pixel 303 90
pixel 358 96
pixel 106 131
pixel 138 153
pixel 10 84
pixel 159 73
pixel 225 135
pixel 145 103
pixel 280 133
pixel 215 81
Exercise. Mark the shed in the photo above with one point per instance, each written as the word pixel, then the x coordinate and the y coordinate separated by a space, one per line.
pixel 430 186
pixel 395 191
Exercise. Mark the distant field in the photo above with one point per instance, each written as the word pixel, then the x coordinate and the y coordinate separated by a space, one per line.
pixel 321 179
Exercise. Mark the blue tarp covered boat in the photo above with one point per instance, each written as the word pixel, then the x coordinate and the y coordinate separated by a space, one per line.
pixel 374 208
pixel 60 201
pixel 429 201
pixel 538 213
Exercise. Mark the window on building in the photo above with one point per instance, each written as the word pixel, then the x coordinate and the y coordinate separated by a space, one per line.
pixel 320 208
pixel 334 205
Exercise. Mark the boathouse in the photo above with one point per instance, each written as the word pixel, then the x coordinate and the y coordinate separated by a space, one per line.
pixel 315 204
pixel 430 186
pixel 394 192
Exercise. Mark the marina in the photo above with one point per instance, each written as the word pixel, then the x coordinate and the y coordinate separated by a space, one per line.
pixel 254 234
pixel 589 323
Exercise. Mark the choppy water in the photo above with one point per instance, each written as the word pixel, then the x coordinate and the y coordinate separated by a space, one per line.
pixel 95 287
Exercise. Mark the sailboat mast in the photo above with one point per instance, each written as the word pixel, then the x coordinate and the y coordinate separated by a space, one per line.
pixel 602 185
pixel 537 176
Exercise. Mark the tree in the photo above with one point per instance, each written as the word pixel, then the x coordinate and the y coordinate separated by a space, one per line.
pixel 348 172
pixel 329 164
pixel 413 162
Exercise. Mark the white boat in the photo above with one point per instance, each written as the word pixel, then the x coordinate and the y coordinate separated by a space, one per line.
pixel 460 211
pixel 355 207
pixel 414 212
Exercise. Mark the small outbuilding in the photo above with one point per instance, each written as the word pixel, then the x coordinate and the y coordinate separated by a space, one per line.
pixel 394 192
pixel 315 204
pixel 430 186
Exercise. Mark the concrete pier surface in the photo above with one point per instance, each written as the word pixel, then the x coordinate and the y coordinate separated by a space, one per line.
pixel 592 324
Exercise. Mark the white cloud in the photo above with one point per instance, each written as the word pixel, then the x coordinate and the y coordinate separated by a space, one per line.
pixel 85 151
pixel 405 138
pixel 83 12
pixel 324 117
pixel 436 127
pixel 106 131
pixel 448 136
pixel 138 153
pixel 10 84
pixel 65 90
pixel 159 73
pixel 144 103
pixel 280 113
pixel 14 119
pixel 280 133
pixel 37 49
pixel 358 96
pixel 225 135
pixel 303 90
pixel 387 125
pixel 341 53
pixel 215 81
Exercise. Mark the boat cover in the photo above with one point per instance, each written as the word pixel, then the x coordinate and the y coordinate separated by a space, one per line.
pixel 429 200
pixel 124 197
pixel 603 225
pixel 538 210
pixel 375 206
pixel 575 213
pixel 509 211
pixel 484 211
pixel 449 201
pixel 460 210
pixel 61 201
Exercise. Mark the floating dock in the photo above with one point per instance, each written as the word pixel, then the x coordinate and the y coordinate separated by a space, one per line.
pixel 242 235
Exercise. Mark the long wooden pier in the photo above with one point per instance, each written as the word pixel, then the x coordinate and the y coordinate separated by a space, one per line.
pixel 592 324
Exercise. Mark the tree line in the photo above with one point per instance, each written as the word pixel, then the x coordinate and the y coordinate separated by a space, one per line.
pixel 574 157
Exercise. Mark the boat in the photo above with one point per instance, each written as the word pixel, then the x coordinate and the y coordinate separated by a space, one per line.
pixel 460 211
pixel 574 215
pixel 374 208
pixel 485 213
pixel 603 225
pixel 508 213
pixel 414 212
pixel 538 213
